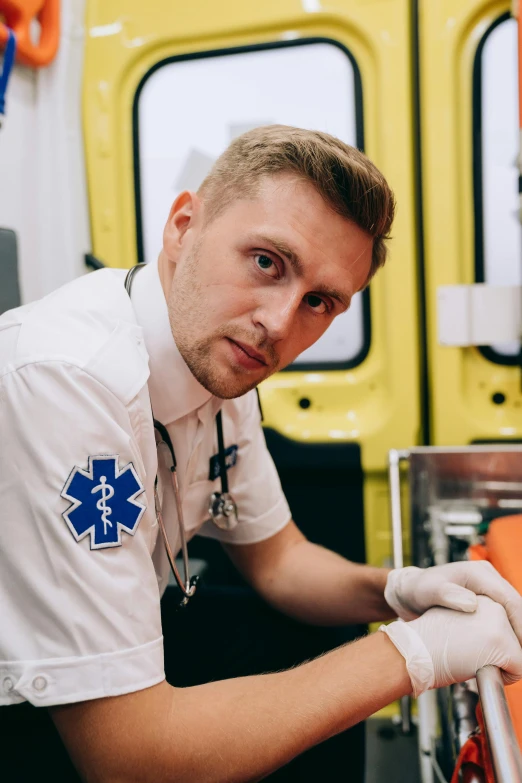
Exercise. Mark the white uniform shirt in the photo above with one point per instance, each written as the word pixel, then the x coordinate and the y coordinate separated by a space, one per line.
pixel 81 569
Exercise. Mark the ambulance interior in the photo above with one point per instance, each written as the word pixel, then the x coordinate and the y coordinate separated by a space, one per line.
pixel 398 435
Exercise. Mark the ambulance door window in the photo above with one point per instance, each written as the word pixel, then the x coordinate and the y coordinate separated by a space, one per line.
pixel 188 109
pixel 498 245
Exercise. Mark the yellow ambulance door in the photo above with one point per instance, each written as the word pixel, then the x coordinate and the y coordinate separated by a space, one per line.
pixel 469 123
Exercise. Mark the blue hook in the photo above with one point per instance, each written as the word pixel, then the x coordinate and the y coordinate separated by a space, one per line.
pixel 9 56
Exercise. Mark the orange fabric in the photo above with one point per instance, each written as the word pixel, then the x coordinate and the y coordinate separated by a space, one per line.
pixel 475 752
pixel 503 549
pixel 504 545
pixel 478 552
pixel 18 15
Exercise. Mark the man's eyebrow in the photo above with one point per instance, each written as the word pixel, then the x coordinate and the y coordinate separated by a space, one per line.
pixel 285 250
pixel 333 293
pixel 297 265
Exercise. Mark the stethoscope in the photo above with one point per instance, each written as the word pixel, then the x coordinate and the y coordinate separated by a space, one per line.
pixel 222 507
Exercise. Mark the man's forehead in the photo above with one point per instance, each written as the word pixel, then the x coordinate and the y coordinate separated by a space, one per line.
pixel 293 193
pixel 284 187
pixel 293 202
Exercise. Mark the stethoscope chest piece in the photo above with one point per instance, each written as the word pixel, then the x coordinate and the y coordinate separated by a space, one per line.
pixel 223 510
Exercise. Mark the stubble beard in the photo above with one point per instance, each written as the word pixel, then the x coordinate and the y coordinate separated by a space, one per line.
pixel 187 315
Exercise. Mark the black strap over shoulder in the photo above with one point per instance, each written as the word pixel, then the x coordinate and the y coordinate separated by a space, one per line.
pixel 259 404
pixel 130 277
pixel 221 453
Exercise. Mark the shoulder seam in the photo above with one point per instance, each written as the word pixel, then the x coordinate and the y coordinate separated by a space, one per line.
pixel 65 363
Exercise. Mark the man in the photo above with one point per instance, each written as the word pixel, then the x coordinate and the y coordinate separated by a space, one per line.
pixel 287 227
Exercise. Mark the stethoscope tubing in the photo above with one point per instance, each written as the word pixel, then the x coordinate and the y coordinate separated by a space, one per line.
pixel 164 444
pixel 187 585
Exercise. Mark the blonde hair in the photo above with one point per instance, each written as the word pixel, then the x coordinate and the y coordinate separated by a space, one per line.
pixel 347 180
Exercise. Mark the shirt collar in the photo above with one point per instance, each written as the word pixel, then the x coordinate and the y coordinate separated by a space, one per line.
pixel 174 391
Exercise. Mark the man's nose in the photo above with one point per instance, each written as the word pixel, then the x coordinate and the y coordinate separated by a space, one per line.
pixel 276 314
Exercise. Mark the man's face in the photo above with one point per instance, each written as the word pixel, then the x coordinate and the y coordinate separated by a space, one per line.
pixel 260 283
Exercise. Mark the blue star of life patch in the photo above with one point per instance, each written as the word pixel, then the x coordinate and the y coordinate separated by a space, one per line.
pixel 103 501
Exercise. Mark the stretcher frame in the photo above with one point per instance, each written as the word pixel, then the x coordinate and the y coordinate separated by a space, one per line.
pixel 502 741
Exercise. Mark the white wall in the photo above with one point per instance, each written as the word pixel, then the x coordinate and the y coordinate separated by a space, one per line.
pixel 42 179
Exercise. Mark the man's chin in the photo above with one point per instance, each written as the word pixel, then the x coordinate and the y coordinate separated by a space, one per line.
pixel 222 380
pixel 229 389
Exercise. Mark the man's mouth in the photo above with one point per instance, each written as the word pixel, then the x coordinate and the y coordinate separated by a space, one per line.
pixel 250 352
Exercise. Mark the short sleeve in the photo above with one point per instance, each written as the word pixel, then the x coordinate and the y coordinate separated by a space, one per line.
pixel 79 597
pixel 253 481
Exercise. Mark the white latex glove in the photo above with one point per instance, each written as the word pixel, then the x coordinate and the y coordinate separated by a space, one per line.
pixel 444 646
pixel 411 591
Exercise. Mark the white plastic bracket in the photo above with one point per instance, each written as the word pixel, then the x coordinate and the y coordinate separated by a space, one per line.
pixel 478 314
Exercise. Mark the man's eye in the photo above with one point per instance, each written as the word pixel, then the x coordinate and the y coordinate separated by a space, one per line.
pixel 316 303
pixel 265 262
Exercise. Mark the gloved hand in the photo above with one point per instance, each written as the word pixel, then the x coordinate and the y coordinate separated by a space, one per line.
pixel 444 646
pixel 411 591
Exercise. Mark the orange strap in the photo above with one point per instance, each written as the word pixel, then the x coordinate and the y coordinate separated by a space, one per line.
pixel 18 15
pixel 475 754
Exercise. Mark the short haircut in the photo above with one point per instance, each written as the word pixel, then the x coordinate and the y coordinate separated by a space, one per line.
pixel 347 180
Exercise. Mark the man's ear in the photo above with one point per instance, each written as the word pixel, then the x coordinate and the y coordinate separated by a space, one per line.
pixel 182 216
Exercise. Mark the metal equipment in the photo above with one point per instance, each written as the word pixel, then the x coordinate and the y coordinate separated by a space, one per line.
pixel 454 493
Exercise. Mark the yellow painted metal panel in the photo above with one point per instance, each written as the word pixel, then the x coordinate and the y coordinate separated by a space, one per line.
pixel 462 381
pixel 377 403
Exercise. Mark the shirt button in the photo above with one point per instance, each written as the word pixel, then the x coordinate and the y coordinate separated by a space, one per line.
pixel 8 685
pixel 39 683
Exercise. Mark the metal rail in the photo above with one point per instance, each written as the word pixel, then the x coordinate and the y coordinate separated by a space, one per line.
pixel 394 458
pixel 503 745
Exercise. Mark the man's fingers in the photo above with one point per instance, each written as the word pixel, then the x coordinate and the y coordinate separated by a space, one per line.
pixel 513 671
pixel 454 597
pixel 514 612
pixel 412 591
pixel 487 581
